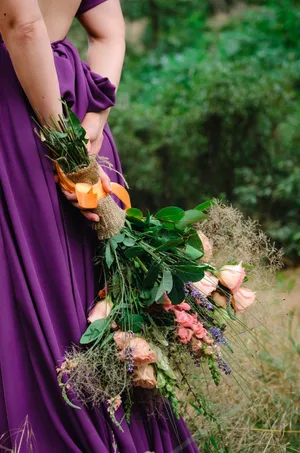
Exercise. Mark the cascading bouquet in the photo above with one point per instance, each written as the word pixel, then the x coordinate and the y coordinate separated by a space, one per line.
pixel 166 299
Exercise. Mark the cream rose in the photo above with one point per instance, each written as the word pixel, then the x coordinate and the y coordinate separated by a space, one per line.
pixel 100 311
pixel 208 284
pixel 232 276
pixel 242 299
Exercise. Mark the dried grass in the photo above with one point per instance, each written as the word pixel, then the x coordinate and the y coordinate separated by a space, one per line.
pixel 258 407
pixel 238 239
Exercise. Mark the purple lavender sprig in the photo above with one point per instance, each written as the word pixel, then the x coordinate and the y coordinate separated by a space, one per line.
pixel 129 359
pixel 191 290
pixel 223 366
pixel 218 336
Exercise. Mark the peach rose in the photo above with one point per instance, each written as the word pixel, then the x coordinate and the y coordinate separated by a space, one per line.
pixel 196 345
pixel 141 352
pixel 242 299
pixel 199 330
pixel 207 247
pixel 144 377
pixel 219 299
pixel 208 284
pixel 184 334
pixel 100 311
pixel 232 276
pixel 184 319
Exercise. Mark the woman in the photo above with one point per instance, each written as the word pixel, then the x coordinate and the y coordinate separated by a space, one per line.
pixel 46 244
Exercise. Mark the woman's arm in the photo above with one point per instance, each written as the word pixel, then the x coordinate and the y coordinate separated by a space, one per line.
pixel 106 31
pixel 25 35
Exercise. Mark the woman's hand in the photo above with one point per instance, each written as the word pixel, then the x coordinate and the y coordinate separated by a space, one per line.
pixel 90 215
pixel 94 124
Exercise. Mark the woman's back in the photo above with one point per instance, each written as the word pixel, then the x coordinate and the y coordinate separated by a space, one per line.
pixel 58 16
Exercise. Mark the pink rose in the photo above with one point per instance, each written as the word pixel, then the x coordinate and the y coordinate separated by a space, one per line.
pixel 184 334
pixel 144 377
pixel 141 351
pixel 242 299
pixel 208 284
pixel 199 330
pixel 208 340
pixel 183 306
pixel 100 311
pixel 232 276
pixel 219 299
pixel 167 305
pixel 184 319
pixel 207 247
pixel 196 345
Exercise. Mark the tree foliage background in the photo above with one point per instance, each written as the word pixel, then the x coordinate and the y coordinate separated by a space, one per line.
pixel 209 106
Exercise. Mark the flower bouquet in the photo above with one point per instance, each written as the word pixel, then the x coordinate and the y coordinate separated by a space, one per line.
pixel 79 173
pixel 172 282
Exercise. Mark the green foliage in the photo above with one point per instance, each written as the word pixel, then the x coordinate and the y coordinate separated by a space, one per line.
pixel 220 115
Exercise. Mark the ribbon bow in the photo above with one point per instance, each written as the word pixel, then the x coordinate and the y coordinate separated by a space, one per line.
pixel 88 194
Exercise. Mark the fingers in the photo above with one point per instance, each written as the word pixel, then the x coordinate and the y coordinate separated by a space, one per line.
pixel 105 179
pixel 90 215
pixel 70 196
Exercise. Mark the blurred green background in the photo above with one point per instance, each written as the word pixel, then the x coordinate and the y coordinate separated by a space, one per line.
pixel 209 107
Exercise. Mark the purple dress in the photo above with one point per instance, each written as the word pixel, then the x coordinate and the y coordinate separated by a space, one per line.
pixel 47 281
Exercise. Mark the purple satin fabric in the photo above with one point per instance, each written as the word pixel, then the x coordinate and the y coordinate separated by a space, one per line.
pixel 88 4
pixel 47 281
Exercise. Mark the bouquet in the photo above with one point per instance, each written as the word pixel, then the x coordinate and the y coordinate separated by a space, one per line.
pixel 166 298
pixel 78 172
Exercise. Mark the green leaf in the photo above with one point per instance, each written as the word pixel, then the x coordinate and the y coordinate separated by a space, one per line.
pixel 189 272
pixel 170 214
pixel 151 276
pixel 191 217
pixel 169 244
pixel 129 242
pixel 193 253
pixel 132 252
pixel 137 323
pixel 166 284
pixel 109 255
pixel 204 206
pixel 119 237
pixel 94 331
pixel 194 240
pixel 177 294
pixel 133 212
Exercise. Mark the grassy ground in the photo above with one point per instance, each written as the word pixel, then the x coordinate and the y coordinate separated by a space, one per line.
pixel 259 406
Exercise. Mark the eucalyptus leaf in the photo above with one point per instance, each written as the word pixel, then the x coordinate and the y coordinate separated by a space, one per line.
pixel 133 212
pixel 170 214
pixel 191 217
pixel 94 331
pixel 166 284
pixel 129 242
pixel 151 276
pixel 109 255
pixel 204 206
pixel 193 253
pixel 132 252
pixel 189 272
pixel 177 294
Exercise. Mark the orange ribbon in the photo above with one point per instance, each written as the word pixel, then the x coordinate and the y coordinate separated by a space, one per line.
pixel 88 194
